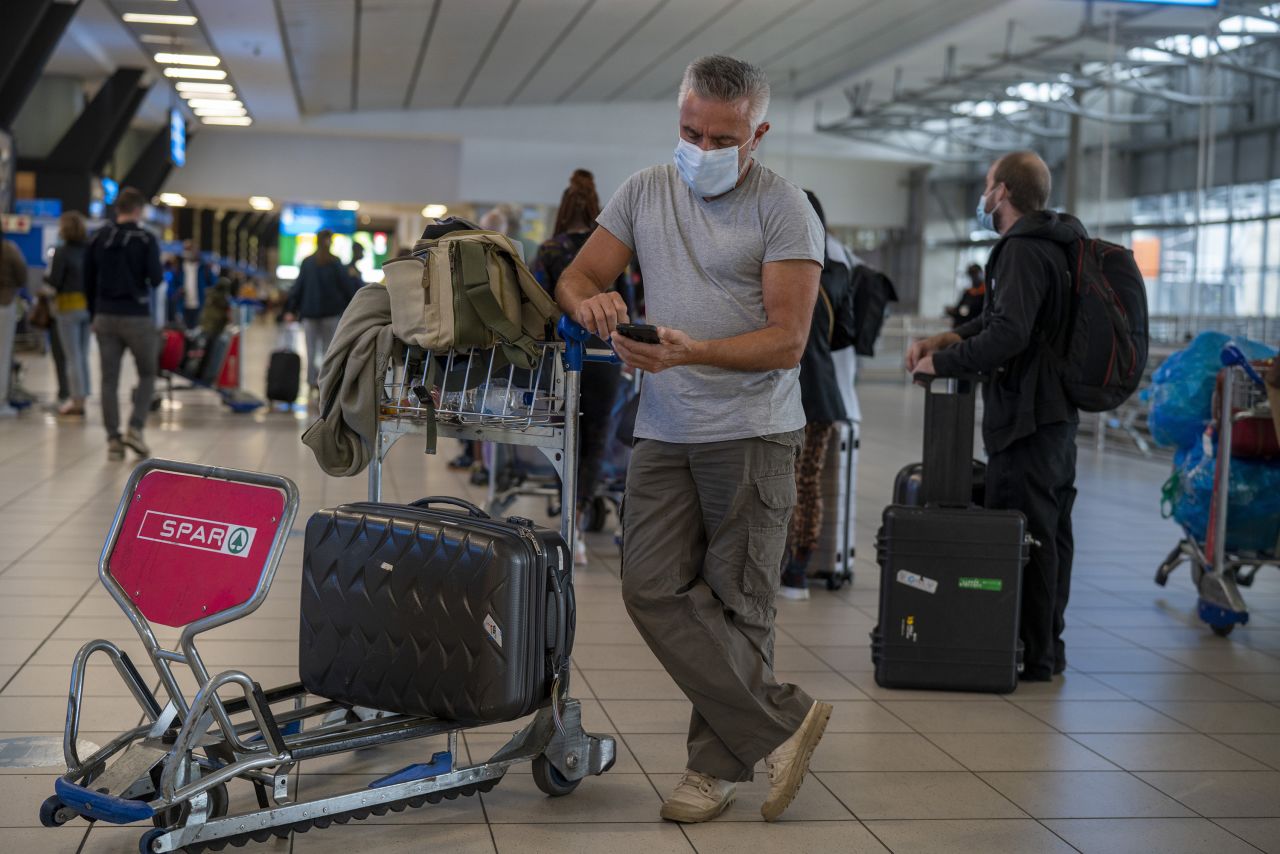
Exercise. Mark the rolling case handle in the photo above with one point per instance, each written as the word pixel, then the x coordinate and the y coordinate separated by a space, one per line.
pixel 947 470
pixel 472 510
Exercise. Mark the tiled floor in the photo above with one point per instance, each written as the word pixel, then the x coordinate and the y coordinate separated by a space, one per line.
pixel 1160 738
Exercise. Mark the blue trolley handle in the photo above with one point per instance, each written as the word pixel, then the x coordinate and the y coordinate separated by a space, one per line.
pixel 1233 355
pixel 575 345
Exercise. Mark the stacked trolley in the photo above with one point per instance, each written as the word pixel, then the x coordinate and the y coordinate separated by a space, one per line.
pixel 196 547
pixel 1243 417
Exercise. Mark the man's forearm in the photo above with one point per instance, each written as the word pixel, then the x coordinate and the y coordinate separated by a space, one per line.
pixel 573 288
pixel 770 349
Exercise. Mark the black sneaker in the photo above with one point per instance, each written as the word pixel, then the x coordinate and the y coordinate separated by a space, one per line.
pixel 115 448
pixel 133 439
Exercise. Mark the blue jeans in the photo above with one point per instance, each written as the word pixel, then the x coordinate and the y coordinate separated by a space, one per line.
pixel 73 336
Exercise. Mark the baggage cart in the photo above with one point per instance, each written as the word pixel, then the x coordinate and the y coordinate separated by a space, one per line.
pixel 196 547
pixel 1217 572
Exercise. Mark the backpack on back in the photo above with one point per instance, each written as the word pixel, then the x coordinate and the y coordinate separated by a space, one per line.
pixel 468 288
pixel 1107 335
pixel 872 293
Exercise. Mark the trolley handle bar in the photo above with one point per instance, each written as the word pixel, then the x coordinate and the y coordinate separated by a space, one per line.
pixel 1232 355
pixel 575 345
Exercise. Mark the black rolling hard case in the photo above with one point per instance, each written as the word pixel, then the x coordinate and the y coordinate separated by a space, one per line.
pixel 284 371
pixel 434 609
pixel 950 571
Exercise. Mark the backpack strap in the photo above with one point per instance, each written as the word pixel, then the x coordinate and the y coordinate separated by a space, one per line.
pixel 831 313
pixel 517 346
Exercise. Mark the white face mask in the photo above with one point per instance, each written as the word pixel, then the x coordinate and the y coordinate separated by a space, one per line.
pixel 708 173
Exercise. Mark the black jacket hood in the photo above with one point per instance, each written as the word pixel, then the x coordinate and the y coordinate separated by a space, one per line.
pixel 1049 225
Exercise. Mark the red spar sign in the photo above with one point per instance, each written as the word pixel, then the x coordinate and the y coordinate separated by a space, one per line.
pixel 192 546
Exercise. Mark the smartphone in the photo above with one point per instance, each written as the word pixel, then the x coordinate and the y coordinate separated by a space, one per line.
pixel 642 332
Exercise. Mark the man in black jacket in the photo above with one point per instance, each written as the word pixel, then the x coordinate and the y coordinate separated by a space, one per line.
pixel 1028 424
pixel 121 268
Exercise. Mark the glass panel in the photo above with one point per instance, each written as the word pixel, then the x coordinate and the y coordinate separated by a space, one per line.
pixel 1244 275
pixel 1148 209
pixel 1211 268
pixel 1248 201
pixel 1171 292
pixel 1217 204
pixel 1271 282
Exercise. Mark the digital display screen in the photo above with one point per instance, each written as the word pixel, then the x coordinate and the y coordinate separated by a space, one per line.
pixel 301 219
pixel 177 139
pixel 110 189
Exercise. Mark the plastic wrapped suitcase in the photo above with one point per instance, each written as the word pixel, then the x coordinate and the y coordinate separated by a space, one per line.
pixel 434 609
pixel 832 559
pixel 950 571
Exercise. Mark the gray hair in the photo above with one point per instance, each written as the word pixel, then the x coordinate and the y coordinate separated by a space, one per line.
pixel 723 78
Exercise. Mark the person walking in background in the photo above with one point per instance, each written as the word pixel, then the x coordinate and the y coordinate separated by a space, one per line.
pixel 318 298
pixel 1028 422
pixel 575 220
pixel 823 407
pixel 194 278
pixel 121 272
pixel 353 269
pixel 71 310
pixel 972 300
pixel 13 276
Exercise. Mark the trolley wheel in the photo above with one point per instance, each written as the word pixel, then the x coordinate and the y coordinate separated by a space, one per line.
pixel 595 514
pixel 550 781
pixel 219 801
pixel 49 812
pixel 1223 631
pixel 835 581
pixel 144 844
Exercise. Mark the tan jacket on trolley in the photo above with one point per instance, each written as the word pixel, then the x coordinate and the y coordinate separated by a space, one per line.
pixel 351 380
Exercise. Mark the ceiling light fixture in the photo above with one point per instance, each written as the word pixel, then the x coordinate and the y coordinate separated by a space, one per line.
pixel 206 111
pixel 148 18
pixel 212 96
pixel 173 200
pixel 434 211
pixel 150 38
pixel 348 205
pixel 187 59
pixel 213 104
pixel 236 121
pixel 196 73
pixel 261 203
pixel 206 88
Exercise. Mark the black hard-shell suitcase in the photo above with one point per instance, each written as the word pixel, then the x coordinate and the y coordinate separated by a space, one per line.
pixel 950 571
pixel 950 594
pixel 434 609
pixel 283 372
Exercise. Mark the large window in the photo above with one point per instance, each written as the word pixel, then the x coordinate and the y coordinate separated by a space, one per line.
pixel 1228 265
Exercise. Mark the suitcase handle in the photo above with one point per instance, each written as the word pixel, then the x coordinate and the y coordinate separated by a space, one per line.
pixel 472 510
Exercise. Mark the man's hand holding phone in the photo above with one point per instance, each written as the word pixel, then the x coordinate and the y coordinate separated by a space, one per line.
pixel 673 347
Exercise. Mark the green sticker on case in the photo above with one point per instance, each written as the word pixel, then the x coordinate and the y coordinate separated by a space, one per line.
pixel 992 584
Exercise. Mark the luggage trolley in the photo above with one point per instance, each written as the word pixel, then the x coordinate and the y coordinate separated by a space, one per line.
pixel 1217 573
pixel 196 547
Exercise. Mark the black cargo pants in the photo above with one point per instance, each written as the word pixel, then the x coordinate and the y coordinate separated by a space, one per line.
pixel 704 530
pixel 1037 476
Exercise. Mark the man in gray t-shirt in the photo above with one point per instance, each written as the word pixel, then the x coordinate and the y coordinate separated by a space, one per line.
pixel 731 255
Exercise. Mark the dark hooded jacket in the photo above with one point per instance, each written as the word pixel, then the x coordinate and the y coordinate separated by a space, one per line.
pixel 121 267
pixel 1027 309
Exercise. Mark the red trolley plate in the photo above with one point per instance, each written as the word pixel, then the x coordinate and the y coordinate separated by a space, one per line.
pixel 191 547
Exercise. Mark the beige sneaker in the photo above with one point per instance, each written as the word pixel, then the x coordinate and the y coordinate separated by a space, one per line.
pixel 789 761
pixel 698 797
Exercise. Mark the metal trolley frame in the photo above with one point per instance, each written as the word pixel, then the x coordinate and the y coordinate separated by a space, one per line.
pixel 174 768
pixel 1217 573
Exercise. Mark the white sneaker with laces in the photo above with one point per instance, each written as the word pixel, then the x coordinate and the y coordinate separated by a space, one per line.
pixel 789 761
pixel 697 798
